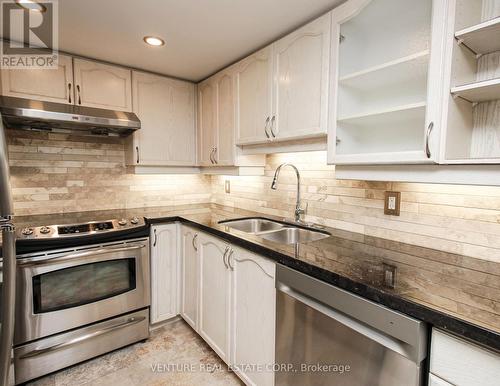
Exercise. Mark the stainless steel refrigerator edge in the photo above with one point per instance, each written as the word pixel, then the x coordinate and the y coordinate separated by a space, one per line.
pixel 8 263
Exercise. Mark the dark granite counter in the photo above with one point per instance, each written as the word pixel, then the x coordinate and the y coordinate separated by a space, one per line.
pixel 431 285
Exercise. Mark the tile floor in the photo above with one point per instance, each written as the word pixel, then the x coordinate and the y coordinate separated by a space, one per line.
pixel 157 362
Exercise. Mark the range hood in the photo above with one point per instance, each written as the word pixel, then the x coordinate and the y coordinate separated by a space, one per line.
pixel 30 114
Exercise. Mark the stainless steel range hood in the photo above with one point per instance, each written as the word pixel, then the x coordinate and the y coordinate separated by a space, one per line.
pixel 37 115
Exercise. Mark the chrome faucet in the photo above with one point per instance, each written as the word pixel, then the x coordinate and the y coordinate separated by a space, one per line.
pixel 298 209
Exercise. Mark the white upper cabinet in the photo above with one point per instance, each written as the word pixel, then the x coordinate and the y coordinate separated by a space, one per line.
pixel 217 126
pixel 473 95
pixel 282 90
pixel 45 85
pixel 387 69
pixel 224 150
pixel 166 109
pixel 207 122
pixel 102 85
pixel 301 68
pixel 253 93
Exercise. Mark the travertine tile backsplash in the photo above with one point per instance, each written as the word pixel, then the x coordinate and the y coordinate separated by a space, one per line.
pixel 54 173
pixel 452 218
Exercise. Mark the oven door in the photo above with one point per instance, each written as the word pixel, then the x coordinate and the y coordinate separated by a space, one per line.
pixel 62 290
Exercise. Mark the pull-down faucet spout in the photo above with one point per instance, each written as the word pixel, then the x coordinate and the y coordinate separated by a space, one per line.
pixel 298 209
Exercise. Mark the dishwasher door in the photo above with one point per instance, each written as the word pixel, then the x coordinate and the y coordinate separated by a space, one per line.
pixel 328 336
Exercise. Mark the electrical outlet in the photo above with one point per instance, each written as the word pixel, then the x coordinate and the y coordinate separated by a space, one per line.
pixel 392 204
pixel 227 186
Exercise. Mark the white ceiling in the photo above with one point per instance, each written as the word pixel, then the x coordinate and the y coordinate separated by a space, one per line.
pixel 202 36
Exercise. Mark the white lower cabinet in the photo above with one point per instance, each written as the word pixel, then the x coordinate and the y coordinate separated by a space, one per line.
pixel 229 298
pixel 189 276
pixel 164 272
pixel 457 362
pixel 214 301
pixel 252 317
pixel 436 381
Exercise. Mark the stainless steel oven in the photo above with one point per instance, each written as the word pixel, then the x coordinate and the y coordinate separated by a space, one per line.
pixel 65 289
pixel 76 303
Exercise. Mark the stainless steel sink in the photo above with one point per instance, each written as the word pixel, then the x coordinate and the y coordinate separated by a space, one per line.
pixel 275 231
pixel 294 235
pixel 253 225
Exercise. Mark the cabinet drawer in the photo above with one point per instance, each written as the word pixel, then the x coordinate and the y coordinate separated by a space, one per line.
pixel 462 363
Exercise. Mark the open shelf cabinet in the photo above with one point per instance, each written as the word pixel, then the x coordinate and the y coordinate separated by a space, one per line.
pixel 483 91
pixel 481 38
pixel 382 106
pixel 473 116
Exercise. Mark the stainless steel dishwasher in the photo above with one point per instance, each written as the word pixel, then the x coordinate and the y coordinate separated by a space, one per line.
pixel 328 336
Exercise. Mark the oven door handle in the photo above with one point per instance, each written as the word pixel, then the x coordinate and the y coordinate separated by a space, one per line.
pixel 45 350
pixel 79 255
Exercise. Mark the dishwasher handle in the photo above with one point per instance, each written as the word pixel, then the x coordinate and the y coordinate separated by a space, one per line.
pixel 391 343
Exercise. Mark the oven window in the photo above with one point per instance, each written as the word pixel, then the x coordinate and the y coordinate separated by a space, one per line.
pixel 83 284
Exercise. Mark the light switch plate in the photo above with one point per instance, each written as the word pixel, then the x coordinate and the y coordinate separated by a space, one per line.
pixel 227 186
pixel 392 205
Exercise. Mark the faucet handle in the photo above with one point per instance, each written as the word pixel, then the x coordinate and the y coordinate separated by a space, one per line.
pixel 300 209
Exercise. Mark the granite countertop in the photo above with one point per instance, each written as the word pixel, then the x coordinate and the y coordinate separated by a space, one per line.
pixel 440 288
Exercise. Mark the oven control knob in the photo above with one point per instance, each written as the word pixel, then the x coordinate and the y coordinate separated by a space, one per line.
pixel 44 230
pixel 27 231
pixel 134 220
pixel 122 222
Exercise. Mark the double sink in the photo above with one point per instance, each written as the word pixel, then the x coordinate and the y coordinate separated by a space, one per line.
pixel 275 231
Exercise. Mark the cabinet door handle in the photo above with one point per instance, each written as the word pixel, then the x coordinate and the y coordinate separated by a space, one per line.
pixel 212 156
pixel 69 92
pixel 224 257
pixel 193 242
pixel 427 138
pixel 265 128
pixel 137 151
pixel 215 156
pixel 272 126
pixel 229 259
pixel 156 238
pixel 79 97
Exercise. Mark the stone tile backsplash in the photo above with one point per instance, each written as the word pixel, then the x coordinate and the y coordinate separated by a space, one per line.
pixel 54 173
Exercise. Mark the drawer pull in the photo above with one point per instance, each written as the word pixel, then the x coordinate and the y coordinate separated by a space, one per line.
pixel 83 338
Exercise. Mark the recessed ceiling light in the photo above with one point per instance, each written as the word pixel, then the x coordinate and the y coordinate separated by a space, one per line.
pixel 154 41
pixel 31 5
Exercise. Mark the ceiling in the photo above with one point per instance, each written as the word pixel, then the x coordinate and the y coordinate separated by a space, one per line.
pixel 202 36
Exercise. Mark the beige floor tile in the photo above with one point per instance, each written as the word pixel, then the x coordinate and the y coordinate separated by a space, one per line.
pixel 174 355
